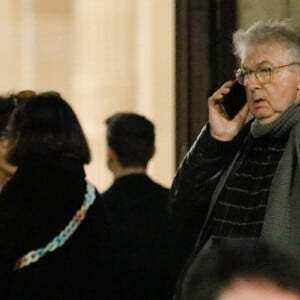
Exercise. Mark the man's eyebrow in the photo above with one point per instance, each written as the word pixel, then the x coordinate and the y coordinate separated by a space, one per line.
pixel 244 68
pixel 259 65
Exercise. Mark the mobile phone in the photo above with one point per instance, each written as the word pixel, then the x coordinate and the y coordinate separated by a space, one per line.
pixel 234 100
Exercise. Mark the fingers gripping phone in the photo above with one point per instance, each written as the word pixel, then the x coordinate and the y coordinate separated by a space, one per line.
pixel 234 100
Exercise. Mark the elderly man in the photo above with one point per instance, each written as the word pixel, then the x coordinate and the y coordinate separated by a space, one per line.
pixel 240 179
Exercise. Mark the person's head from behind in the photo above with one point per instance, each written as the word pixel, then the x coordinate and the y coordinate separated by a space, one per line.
pixel 243 271
pixel 269 52
pixel 130 141
pixel 46 126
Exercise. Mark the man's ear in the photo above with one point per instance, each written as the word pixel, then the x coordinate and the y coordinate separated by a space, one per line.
pixel 298 78
pixel 111 154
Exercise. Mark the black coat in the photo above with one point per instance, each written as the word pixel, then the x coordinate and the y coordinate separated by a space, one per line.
pixel 138 210
pixel 38 202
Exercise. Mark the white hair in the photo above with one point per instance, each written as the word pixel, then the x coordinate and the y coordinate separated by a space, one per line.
pixel 268 32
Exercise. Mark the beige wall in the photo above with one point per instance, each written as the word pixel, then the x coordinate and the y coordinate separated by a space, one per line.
pixel 103 56
pixel 253 10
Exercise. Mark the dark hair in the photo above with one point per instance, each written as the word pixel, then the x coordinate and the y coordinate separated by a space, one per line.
pixel 46 125
pixel 216 269
pixel 131 136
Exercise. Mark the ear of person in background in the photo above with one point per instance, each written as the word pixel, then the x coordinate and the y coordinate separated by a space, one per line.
pixel 54 232
pixel 138 210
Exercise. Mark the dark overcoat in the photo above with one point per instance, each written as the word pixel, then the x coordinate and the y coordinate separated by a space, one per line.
pixel 38 202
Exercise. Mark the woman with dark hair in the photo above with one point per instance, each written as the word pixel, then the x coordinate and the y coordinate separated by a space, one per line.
pixel 53 231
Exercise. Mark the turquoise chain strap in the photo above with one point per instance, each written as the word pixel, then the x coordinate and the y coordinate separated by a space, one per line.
pixel 59 240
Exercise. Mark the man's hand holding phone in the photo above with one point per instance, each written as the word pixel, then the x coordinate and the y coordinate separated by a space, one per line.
pixel 228 110
pixel 234 101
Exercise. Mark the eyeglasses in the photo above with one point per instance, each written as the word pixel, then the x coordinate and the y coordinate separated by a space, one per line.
pixel 263 74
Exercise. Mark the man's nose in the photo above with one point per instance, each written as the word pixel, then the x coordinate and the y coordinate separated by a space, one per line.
pixel 251 82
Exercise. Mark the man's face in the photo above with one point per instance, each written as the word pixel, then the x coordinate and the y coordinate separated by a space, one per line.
pixel 255 289
pixel 270 100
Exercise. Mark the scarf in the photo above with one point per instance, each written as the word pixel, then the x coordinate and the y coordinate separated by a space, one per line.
pixel 282 219
pixel 280 126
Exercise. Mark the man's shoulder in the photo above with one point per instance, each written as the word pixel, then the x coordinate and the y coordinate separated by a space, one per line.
pixel 158 186
pixel 135 186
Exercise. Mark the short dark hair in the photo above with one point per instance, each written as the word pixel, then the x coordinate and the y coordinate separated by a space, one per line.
pixel 131 136
pixel 46 125
pixel 214 270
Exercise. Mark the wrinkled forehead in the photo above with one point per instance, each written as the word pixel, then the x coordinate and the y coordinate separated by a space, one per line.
pixel 275 54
